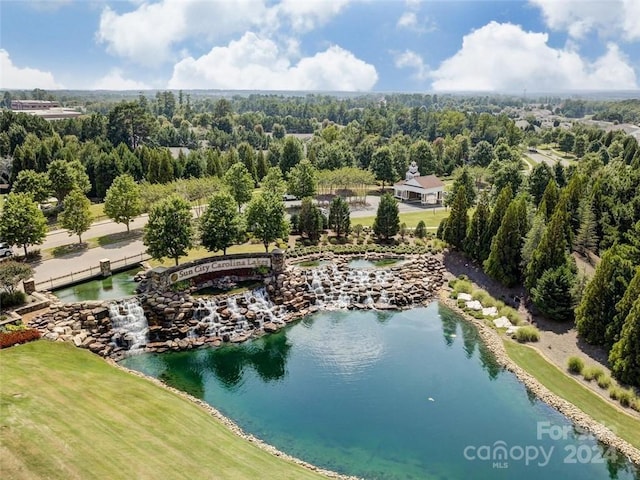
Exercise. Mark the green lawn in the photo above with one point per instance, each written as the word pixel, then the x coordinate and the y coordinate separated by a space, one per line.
pixel 563 385
pixel 67 414
pixel 431 218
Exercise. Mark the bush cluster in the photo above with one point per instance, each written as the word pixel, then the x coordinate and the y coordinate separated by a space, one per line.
pixel 8 339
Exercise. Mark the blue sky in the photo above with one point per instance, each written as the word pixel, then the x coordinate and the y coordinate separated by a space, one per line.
pixel 326 45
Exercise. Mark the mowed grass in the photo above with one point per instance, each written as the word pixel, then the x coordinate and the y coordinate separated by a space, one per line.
pixel 430 218
pixel 624 425
pixel 68 414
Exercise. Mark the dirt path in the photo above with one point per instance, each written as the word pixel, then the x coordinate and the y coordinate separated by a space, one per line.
pixel 558 340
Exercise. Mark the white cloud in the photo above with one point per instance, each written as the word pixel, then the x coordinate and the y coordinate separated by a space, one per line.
pixel 506 58
pixel 114 80
pixel 24 78
pixel 255 62
pixel 408 20
pixel 147 34
pixel 608 17
pixel 410 59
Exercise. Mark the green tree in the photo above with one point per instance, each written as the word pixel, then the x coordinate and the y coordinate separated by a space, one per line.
pixel 76 215
pixel 552 250
pixel 220 224
pixel 586 239
pixel 538 181
pixel 303 180
pixel 624 357
pixel 606 288
pixel 566 141
pixel 262 166
pixel 580 145
pixel 463 178
pixel 495 220
pixel 482 154
pixel 559 174
pixel 169 232
pixel 339 219
pixel 106 169
pixel 278 131
pixel 504 259
pixel 550 199
pixel 421 230
pixel 66 176
pixel 123 202
pixel 274 183
pixel 248 157
pixel 22 223
pixel 532 239
pixel 129 123
pixel 623 307
pixel 458 220
pixel 387 221
pixel 476 231
pixel 240 183
pixel 382 166
pixel 292 154
pixel 36 184
pixel 310 220
pixel 12 273
pixel 553 292
pixel 266 218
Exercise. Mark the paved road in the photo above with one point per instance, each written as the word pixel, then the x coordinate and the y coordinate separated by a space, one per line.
pixel 549 159
pixel 82 260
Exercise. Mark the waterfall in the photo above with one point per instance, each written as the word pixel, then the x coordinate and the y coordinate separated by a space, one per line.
pixel 235 315
pixel 128 323
pixel 338 288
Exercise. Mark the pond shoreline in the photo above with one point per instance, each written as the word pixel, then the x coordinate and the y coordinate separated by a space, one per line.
pixel 494 343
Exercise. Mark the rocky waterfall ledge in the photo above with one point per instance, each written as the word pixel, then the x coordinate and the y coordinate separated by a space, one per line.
pixel 163 321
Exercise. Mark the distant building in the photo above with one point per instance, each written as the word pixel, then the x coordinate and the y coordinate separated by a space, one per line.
pixel 428 189
pixel 49 110
pixel 19 105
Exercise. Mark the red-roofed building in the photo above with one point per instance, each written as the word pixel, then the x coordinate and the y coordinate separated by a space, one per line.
pixel 427 189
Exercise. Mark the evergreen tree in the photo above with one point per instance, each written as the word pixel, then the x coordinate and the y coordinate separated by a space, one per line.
pixel 382 166
pixel 606 288
pixel 266 218
pixel 421 230
pixel 559 175
pixel 310 220
pixel 477 229
pixel 586 239
pixel 458 220
pixel 538 181
pixel 553 292
pixel 624 357
pixel 169 232
pixel 262 166
pixel 551 251
pixel 220 224
pixel 292 154
pixel 303 180
pixel 549 199
pixel 504 260
pixel 123 201
pixel 247 156
pixel 495 220
pixel 76 215
pixel 463 178
pixel 387 221
pixel 623 307
pixel 240 183
pixel 339 219
pixel 22 222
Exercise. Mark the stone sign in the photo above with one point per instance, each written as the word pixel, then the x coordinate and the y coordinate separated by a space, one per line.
pixel 218 266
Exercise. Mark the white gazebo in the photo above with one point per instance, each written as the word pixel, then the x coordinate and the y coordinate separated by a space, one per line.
pixel 428 189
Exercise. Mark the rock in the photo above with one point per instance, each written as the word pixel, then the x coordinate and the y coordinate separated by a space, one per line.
pixel 464 296
pixel 502 322
pixel 490 312
pixel 270 327
pixel 474 305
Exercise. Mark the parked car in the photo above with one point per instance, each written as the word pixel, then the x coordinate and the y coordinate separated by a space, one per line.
pixel 288 197
pixel 5 250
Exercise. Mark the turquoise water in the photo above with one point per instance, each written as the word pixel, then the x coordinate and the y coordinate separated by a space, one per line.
pixel 118 285
pixel 361 263
pixel 387 395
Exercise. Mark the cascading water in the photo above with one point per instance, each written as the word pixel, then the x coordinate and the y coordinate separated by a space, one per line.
pixel 233 315
pixel 336 287
pixel 128 323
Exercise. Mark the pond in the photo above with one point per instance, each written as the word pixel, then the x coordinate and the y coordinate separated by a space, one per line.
pixel 387 395
pixel 118 285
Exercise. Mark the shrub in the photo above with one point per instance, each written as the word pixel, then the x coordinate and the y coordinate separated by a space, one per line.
pixel 462 286
pixel 592 372
pixel 527 334
pixel 614 392
pixel 575 365
pixel 484 298
pixel 12 299
pixel 625 397
pixel 511 313
pixel 604 381
pixel 8 339
pixel 635 404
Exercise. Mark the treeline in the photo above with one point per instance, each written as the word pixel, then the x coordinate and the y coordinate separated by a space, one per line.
pixel 525 233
